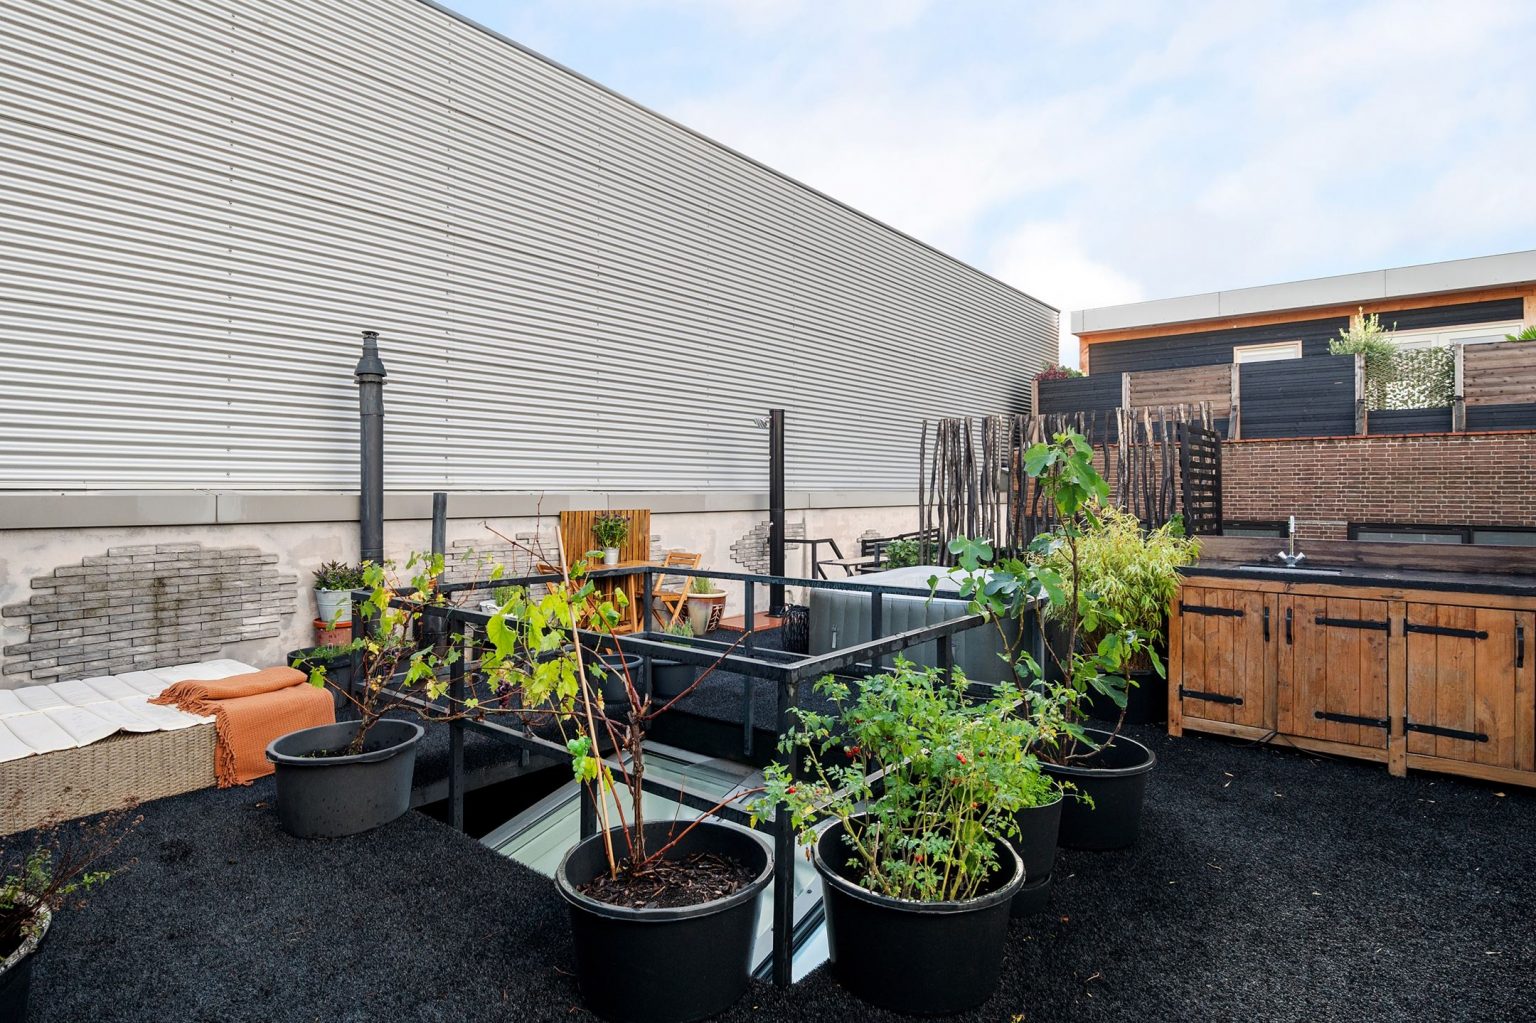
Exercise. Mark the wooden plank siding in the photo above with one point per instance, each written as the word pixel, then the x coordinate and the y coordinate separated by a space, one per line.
pixel 1499 374
pixel 1188 386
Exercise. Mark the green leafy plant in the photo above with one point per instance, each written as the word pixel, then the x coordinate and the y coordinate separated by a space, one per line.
pixel 951 774
pixel 1528 334
pixel 336 575
pixel 319 654
pixel 56 866
pixel 901 553
pixel 1123 568
pixel 610 530
pixel 682 628
pixel 1369 338
pixel 1421 378
pixel 702 586
pixel 1005 589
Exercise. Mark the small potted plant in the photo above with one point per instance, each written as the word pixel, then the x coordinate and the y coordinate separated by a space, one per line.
pixel 56 867
pixel 670 679
pixel 706 603
pixel 611 531
pixel 334 583
pixel 335 659
pixel 917 871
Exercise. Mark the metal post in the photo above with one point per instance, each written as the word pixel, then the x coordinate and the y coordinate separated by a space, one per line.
pixel 456 744
pixel 439 522
pixel 784 858
pixel 775 508
pixel 947 657
pixel 876 623
pixel 370 399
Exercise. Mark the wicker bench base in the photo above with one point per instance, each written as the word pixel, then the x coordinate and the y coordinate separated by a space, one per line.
pixel 104 775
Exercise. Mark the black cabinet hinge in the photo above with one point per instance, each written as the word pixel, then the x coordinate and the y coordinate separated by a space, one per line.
pixel 1355 623
pixel 1195 694
pixel 1445 630
pixel 1449 733
pixel 1352 719
pixel 1206 609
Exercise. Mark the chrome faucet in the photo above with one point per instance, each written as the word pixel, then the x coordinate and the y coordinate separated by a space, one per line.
pixel 1291 558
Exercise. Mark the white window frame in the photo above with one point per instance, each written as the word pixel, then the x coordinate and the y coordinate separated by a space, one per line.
pixel 1272 351
pixel 1466 334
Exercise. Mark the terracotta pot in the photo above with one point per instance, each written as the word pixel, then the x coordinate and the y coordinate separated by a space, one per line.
pixel 326 634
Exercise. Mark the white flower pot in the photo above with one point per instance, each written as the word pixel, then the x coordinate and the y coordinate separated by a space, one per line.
pixel 610 555
pixel 334 605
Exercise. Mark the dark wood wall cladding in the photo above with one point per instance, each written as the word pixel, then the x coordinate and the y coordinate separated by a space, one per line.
pixel 1463 313
pixel 1080 394
pixel 1299 398
pixel 1174 351
pixel 1409 420
pixel 1500 417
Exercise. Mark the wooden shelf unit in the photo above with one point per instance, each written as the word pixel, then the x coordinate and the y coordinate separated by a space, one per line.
pixel 1422 679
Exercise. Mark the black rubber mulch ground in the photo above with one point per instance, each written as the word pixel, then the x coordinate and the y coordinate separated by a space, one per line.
pixel 1266 886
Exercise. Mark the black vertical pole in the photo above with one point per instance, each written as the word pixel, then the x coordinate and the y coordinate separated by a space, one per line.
pixel 784 854
pixel 775 508
pixel 439 523
pixel 370 399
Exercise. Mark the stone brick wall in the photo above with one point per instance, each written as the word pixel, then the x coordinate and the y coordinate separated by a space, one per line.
pixel 1479 479
pixel 145 606
pixel 751 550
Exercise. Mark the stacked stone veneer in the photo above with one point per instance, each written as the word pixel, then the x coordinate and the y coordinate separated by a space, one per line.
pixel 752 549
pixel 146 606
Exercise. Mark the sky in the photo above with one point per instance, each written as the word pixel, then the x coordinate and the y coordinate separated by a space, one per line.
pixel 1095 152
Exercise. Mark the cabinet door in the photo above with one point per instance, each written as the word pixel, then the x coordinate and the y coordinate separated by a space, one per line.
pixel 1227 653
pixel 1470 692
pixel 1333 669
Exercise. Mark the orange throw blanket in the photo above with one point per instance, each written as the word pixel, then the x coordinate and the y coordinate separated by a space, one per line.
pixel 249 711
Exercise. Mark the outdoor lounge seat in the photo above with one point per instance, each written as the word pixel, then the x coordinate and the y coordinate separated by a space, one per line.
pixel 86 745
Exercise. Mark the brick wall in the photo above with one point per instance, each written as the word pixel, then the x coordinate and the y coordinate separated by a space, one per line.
pixel 146 606
pixel 1480 479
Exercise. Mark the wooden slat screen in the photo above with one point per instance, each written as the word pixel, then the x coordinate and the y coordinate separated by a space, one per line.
pixel 1189 386
pixel 1500 374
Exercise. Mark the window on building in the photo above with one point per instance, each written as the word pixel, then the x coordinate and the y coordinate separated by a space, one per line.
pixel 1273 352
pixel 1480 334
pixel 1509 536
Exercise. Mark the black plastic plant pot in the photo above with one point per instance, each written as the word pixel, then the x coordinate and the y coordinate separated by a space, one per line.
pixel 338 670
pixel 1146 702
pixel 1115 778
pixel 920 958
pixel 670 679
pixel 665 965
pixel 1039 827
pixel 613 667
pixel 332 796
pixel 16 974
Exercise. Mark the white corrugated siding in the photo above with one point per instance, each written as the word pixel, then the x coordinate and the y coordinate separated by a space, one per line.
pixel 203 202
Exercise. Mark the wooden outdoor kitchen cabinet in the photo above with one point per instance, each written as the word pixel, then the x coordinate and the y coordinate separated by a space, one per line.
pixel 1430 679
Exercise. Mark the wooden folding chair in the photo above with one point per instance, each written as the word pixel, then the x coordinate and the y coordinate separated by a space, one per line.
pixel 671 596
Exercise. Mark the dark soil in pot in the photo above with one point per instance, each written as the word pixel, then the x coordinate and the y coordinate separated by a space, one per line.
pixel 671 964
pixel 1115 779
pixel 925 959
pixel 669 679
pixel 1039 827
pixel 332 796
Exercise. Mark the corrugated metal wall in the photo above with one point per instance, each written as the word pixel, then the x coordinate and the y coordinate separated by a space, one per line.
pixel 203 202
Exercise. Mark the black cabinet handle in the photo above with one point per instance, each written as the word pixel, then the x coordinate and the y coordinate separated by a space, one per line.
pixel 1519 644
pixel 1288 616
pixel 1266 623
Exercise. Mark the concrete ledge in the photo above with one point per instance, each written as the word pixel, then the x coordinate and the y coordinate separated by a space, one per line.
pixel 119 509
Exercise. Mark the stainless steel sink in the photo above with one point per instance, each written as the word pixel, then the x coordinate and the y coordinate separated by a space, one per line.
pixel 1282 570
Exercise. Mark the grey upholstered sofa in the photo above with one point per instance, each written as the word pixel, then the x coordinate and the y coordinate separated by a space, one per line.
pixel 841 618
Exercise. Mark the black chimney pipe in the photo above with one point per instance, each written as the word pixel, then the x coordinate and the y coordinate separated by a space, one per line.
pixel 370 402
pixel 776 508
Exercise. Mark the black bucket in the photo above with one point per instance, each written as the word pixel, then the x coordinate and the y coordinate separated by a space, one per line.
pixel 16 982
pixel 1115 778
pixel 1039 827
pixel 1146 702
pixel 665 965
pixel 328 797
pixel 920 958
pixel 670 679
pixel 607 669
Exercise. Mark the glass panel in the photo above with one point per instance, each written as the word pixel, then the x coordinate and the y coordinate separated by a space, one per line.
pixel 1254 529
pixel 1509 537
pixel 1406 536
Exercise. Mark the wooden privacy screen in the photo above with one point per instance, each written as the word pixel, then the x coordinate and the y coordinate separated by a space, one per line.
pixel 576 537
pixel 1190 386
pixel 1499 374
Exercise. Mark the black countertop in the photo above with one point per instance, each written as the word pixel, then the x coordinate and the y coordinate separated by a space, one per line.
pixel 1512 585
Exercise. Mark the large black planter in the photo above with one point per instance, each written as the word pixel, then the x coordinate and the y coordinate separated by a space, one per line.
pixel 608 669
pixel 328 797
pixel 665 965
pixel 669 679
pixel 16 974
pixel 1146 702
pixel 922 958
pixel 338 670
pixel 1115 778
pixel 1039 827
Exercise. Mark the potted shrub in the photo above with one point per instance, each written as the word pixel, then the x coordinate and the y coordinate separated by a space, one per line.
pixel 1108 771
pixel 901 553
pixel 670 679
pixel 55 869
pixel 645 897
pixel 1135 572
pixel 917 871
pixel 706 604
pixel 611 531
pixel 336 660
pixel 334 583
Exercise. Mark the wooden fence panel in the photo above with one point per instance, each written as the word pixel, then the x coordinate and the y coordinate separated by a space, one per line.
pixel 1194 385
pixel 1499 374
